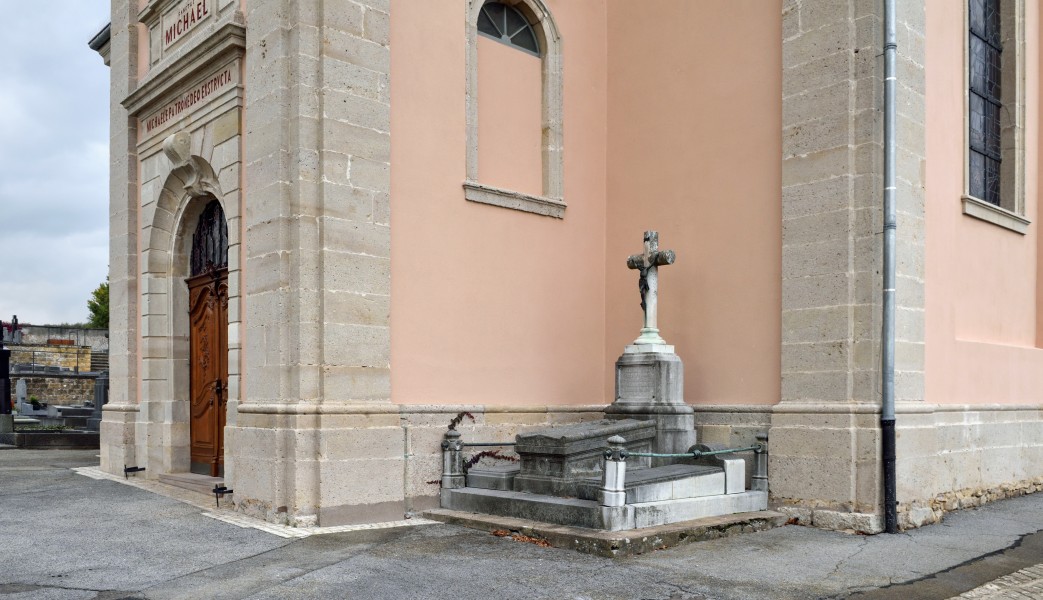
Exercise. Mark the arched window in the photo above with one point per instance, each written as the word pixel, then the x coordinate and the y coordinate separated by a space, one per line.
pixel 522 145
pixel 210 240
pixel 508 25
pixel 994 152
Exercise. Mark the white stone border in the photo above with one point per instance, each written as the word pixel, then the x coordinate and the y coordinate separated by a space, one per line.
pixel 552 202
pixel 239 519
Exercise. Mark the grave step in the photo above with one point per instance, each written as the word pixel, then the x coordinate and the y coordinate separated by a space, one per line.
pixel 616 544
pixel 669 482
pixel 191 481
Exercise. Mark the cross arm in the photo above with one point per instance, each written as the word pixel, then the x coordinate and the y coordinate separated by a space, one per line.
pixel 663 257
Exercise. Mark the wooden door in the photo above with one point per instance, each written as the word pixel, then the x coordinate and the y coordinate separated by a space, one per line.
pixel 208 298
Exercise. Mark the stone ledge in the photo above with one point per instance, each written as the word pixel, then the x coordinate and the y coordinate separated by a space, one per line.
pixel 617 544
pixel 540 205
pixel 996 215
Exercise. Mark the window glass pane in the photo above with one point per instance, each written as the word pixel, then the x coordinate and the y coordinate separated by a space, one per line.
pixel 508 25
pixel 495 12
pixel 515 22
pixel 976 10
pixel 526 39
pixel 485 24
pixel 978 64
pixel 977 175
pixel 992 130
pixel 992 181
pixel 210 240
pixel 976 121
pixel 992 21
pixel 993 75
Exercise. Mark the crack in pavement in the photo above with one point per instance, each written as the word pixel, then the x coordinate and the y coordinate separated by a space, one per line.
pixel 861 546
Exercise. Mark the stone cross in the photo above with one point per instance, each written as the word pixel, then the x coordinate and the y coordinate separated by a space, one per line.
pixel 647 264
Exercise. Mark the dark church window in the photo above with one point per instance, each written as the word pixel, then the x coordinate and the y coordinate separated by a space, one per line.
pixel 984 99
pixel 508 25
pixel 210 240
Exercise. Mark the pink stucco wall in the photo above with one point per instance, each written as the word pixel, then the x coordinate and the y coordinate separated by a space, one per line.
pixel 982 281
pixel 490 305
pixel 510 120
pixel 663 129
pixel 694 122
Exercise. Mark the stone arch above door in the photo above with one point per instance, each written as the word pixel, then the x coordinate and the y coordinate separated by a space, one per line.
pixel 190 183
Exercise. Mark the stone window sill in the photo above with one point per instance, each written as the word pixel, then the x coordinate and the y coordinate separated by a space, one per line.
pixel 979 209
pixel 548 207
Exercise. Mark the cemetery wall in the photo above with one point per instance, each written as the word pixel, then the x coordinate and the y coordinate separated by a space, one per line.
pixel 61 390
pixel 97 339
pixel 702 166
pixel 75 358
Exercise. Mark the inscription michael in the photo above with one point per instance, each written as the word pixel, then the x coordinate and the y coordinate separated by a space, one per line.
pixel 183 19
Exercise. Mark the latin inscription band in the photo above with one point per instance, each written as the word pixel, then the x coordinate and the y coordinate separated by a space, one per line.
pixel 200 93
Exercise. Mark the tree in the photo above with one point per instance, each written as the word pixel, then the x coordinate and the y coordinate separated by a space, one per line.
pixel 98 306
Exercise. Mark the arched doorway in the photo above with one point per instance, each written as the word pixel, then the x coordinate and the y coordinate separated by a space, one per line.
pixel 208 340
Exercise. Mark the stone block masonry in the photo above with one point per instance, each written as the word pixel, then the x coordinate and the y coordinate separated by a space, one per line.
pixel 60 390
pixel 72 358
pixel 317 147
pixel 824 434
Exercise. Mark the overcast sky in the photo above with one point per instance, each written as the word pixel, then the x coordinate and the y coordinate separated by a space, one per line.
pixel 54 124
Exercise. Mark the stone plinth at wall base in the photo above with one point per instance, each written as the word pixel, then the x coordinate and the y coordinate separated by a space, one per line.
pixel 299 466
pixel 917 513
pixel 118 437
pixel 835 520
pixel 614 544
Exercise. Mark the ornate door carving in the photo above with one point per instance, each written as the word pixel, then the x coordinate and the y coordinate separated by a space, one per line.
pixel 208 319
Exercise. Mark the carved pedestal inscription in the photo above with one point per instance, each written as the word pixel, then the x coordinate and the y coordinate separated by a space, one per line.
pixel 637 382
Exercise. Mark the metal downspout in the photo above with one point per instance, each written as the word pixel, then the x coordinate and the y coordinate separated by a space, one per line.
pixel 887 340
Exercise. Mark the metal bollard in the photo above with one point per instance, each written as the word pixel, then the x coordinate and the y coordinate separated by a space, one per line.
pixel 759 481
pixel 452 461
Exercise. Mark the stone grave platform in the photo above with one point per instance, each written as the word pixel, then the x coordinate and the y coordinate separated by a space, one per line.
pixel 639 467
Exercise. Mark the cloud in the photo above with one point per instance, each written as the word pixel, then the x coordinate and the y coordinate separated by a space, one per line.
pixel 53 160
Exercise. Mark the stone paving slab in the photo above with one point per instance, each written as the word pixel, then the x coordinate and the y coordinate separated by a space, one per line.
pixel 1020 585
pixel 226 515
pixel 66 535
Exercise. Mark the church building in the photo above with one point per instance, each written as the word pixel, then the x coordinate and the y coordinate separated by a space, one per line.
pixel 338 225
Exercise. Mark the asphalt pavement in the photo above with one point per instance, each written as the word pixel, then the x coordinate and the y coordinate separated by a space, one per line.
pixel 68 536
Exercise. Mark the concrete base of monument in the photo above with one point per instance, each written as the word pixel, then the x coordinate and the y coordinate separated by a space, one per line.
pixel 613 544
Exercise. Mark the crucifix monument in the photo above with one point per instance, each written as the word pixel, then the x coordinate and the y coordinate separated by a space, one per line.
pixel 647 265
pixel 649 375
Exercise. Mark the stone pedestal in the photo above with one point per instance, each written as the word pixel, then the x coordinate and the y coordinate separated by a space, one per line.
pixel 650 387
